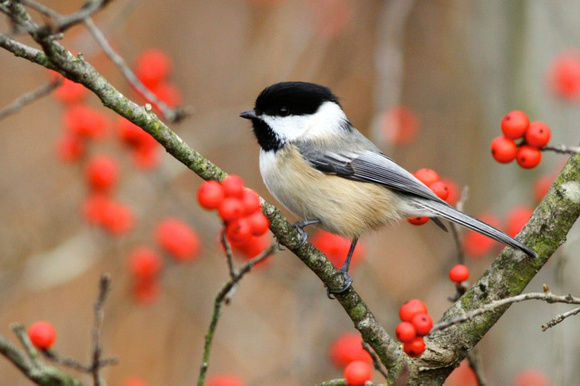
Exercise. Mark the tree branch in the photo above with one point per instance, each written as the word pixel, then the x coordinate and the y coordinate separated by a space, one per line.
pixel 30 97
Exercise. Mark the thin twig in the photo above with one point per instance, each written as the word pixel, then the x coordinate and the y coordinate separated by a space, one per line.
pixel 545 296
pixel 217 307
pixel 172 115
pixel 30 97
pixel 562 149
pixel 376 361
pixel 559 318
pixel 229 255
pixel 104 289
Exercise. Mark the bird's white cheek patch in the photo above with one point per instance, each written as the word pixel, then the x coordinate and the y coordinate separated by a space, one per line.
pixel 571 191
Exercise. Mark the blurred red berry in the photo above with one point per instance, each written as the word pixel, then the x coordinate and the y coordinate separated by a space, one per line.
pixel 118 218
pixel 531 377
pixel 239 231
pixel 452 190
pixel 458 273
pixel 357 373
pixel 400 125
pixel 405 332
pixel 528 157
pixel 517 218
pixel 42 334
pixel 565 75
pixel 231 209
pixel 251 202
pixel 152 67
pixel 178 239
pixel 336 248
pixel 145 263
pixel 427 176
pixel 347 348
pixel 133 135
pixel 462 376
pixel 85 122
pixel 477 245
pixel 440 189
pixel 414 348
pixel 253 247
pixel 146 157
pixel 167 93
pixel 134 382
pixel 411 308
pixel 210 194
pixel 224 380
pixel 538 135
pixel 146 291
pixel 234 186
pixel 259 223
pixel 95 207
pixel 423 324
pixel 514 124
pixel 102 173
pixel 70 148
pixel 71 92
pixel 503 149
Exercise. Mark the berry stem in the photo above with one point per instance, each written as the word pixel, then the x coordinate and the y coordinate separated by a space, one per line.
pixel 562 149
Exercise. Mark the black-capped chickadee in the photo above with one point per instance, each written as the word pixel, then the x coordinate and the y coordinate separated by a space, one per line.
pixel 325 171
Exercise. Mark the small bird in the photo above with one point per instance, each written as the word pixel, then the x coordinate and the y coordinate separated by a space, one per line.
pixel 323 170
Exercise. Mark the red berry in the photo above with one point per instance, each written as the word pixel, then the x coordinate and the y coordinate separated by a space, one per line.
pixel 412 308
pixel 531 377
pixel 102 173
pixel 538 135
pixel 414 348
pixel 459 273
pixel 440 189
pixel 85 122
pixel 146 291
pixel 259 223
pixel 231 209
pixel 452 190
pixel 336 248
pixel 145 263
pixel 118 218
pixel 347 348
pixel 477 245
pixel 357 373
pixel 251 202
pixel 517 218
pixel 423 324
pixel 210 194
pixel 253 247
pixel 234 186
pixel 70 148
pixel 146 157
pixel 400 125
pixel 134 136
pixel 427 176
pixel 514 124
pixel 565 75
pixel 42 335
pixel 239 231
pixel 94 208
pixel 405 332
pixel 178 239
pixel 528 157
pixel 503 149
pixel 224 380
pixel 462 376
pixel 153 67
pixel 417 220
pixel 167 93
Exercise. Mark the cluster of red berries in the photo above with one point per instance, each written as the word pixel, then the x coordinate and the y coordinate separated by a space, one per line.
pixel 477 245
pixel 532 137
pixel 179 242
pixel 430 178
pixel 336 248
pixel 415 324
pixel 153 68
pixel 347 353
pixel 42 335
pixel 239 208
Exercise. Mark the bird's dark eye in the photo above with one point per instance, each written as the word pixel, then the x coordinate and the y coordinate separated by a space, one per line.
pixel 283 111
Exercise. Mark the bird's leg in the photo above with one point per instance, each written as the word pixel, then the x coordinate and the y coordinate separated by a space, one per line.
pixel 299 226
pixel 344 270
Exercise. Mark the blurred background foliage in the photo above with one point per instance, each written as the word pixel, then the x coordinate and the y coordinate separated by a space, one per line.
pixel 459 66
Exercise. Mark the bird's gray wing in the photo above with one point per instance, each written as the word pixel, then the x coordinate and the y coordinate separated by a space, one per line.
pixel 365 166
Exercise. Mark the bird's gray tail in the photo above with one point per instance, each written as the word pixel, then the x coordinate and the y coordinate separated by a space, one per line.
pixel 442 209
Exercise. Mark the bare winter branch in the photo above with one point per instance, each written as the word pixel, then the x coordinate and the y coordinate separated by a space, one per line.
pixel 30 97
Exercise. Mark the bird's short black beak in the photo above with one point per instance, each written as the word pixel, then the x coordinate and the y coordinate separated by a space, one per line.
pixel 250 114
